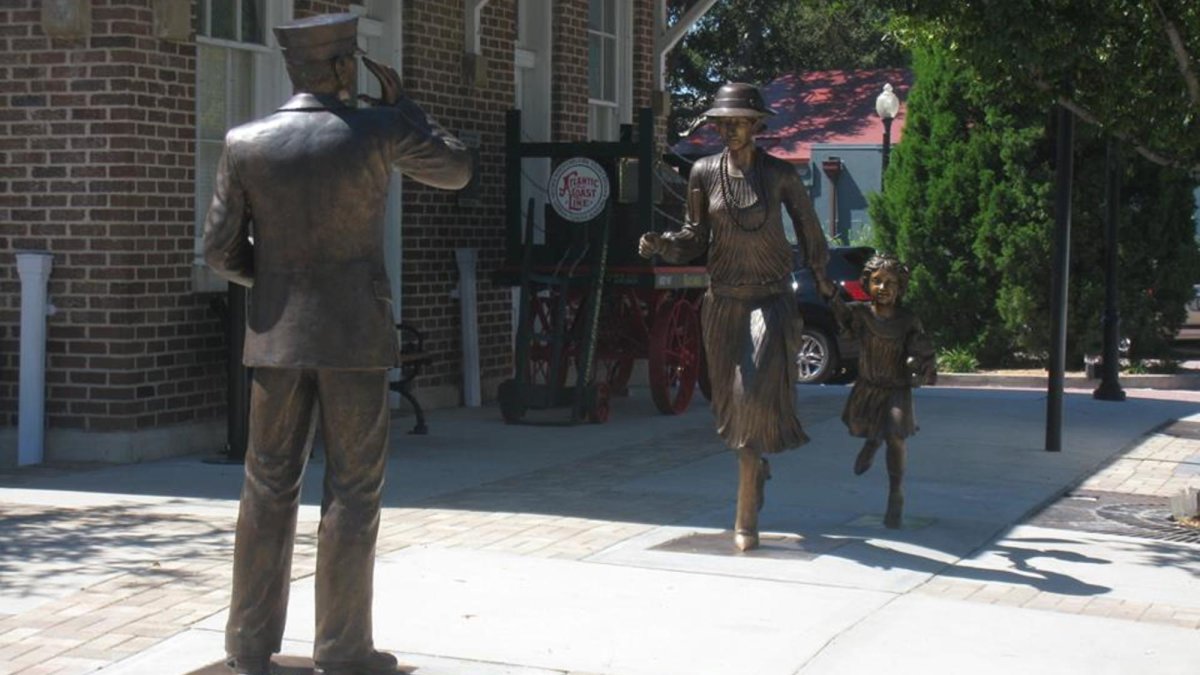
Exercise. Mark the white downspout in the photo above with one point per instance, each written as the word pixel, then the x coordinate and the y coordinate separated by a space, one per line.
pixel 33 268
pixel 469 307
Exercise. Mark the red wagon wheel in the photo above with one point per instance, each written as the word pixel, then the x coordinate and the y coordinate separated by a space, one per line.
pixel 674 358
pixel 617 344
pixel 703 379
pixel 541 352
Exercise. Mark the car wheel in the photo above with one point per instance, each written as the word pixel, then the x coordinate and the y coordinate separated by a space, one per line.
pixel 816 361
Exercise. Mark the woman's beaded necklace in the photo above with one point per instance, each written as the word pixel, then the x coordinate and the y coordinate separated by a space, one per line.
pixel 727 191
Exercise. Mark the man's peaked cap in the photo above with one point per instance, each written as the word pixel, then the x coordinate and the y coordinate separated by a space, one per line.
pixel 318 38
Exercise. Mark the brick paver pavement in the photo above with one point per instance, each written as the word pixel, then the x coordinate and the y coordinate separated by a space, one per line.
pixel 118 579
pixel 141 575
pixel 1161 464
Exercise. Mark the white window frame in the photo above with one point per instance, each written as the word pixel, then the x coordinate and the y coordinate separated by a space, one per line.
pixel 374 20
pixel 270 87
pixel 622 104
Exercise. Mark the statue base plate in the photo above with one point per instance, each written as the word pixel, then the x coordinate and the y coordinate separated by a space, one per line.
pixel 876 522
pixel 283 664
pixel 770 545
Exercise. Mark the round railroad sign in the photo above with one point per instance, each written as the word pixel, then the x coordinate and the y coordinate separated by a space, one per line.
pixel 578 189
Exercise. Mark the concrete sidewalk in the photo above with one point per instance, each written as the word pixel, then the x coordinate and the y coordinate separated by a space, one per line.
pixel 602 549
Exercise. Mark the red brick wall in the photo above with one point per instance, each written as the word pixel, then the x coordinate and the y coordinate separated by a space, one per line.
pixel 570 105
pixel 643 53
pixel 96 166
pixel 435 223
pixel 569 109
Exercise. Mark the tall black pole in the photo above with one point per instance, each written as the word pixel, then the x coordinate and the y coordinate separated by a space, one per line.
pixel 887 148
pixel 1110 386
pixel 1064 168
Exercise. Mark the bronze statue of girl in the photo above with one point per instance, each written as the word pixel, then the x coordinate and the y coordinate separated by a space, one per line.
pixel 895 356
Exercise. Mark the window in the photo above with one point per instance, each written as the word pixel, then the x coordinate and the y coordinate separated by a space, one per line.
pixel 235 20
pixel 608 68
pixel 238 77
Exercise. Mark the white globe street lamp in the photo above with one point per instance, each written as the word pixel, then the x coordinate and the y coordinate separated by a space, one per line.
pixel 887 106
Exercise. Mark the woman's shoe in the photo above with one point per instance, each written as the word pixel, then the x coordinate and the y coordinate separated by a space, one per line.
pixel 745 540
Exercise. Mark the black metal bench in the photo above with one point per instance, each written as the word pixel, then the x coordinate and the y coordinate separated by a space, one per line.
pixel 412 358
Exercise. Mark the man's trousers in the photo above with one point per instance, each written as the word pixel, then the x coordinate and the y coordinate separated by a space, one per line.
pixel 283 418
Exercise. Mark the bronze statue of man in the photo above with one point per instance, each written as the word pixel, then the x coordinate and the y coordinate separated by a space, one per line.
pixel 751 328
pixel 298 216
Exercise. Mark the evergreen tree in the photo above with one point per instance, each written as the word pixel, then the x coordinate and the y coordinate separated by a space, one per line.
pixel 1158 258
pixel 969 205
pixel 963 167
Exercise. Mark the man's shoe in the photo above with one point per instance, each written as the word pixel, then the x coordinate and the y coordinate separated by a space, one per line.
pixel 250 665
pixel 378 663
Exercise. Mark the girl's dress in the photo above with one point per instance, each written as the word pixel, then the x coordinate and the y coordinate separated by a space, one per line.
pixel 749 318
pixel 880 405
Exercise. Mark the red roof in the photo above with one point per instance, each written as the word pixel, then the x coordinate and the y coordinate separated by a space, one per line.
pixel 823 106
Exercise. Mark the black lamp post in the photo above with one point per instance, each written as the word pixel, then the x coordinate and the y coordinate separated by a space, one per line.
pixel 887 105
pixel 1110 386
pixel 1064 169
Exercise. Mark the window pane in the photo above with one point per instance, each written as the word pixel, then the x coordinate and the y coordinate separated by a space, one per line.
pixel 224 20
pixel 252 21
pixel 241 107
pixel 210 93
pixel 202 17
pixel 610 69
pixel 602 123
pixel 596 14
pixel 610 16
pixel 595 66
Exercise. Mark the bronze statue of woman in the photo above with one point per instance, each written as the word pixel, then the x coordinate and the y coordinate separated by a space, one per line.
pixel 749 319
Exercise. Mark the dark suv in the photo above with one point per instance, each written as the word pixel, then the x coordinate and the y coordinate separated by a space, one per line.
pixel 826 353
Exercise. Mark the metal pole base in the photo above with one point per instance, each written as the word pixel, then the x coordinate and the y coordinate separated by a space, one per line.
pixel 1109 391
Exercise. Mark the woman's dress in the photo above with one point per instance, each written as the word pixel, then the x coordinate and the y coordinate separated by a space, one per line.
pixel 749 320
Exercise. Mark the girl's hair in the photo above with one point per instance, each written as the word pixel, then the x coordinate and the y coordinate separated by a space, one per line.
pixel 885 261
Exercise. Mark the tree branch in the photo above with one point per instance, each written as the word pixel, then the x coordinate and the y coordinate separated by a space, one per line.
pixel 1091 118
pixel 1181 55
pixel 1152 155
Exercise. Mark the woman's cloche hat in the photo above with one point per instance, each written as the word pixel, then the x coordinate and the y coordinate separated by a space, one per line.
pixel 738 99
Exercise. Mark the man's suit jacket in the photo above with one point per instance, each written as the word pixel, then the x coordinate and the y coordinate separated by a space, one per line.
pixel 297 216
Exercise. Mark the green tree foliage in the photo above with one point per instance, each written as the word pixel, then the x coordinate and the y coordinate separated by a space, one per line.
pixel 963 166
pixel 757 40
pixel 1158 258
pixel 1128 66
pixel 969 205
